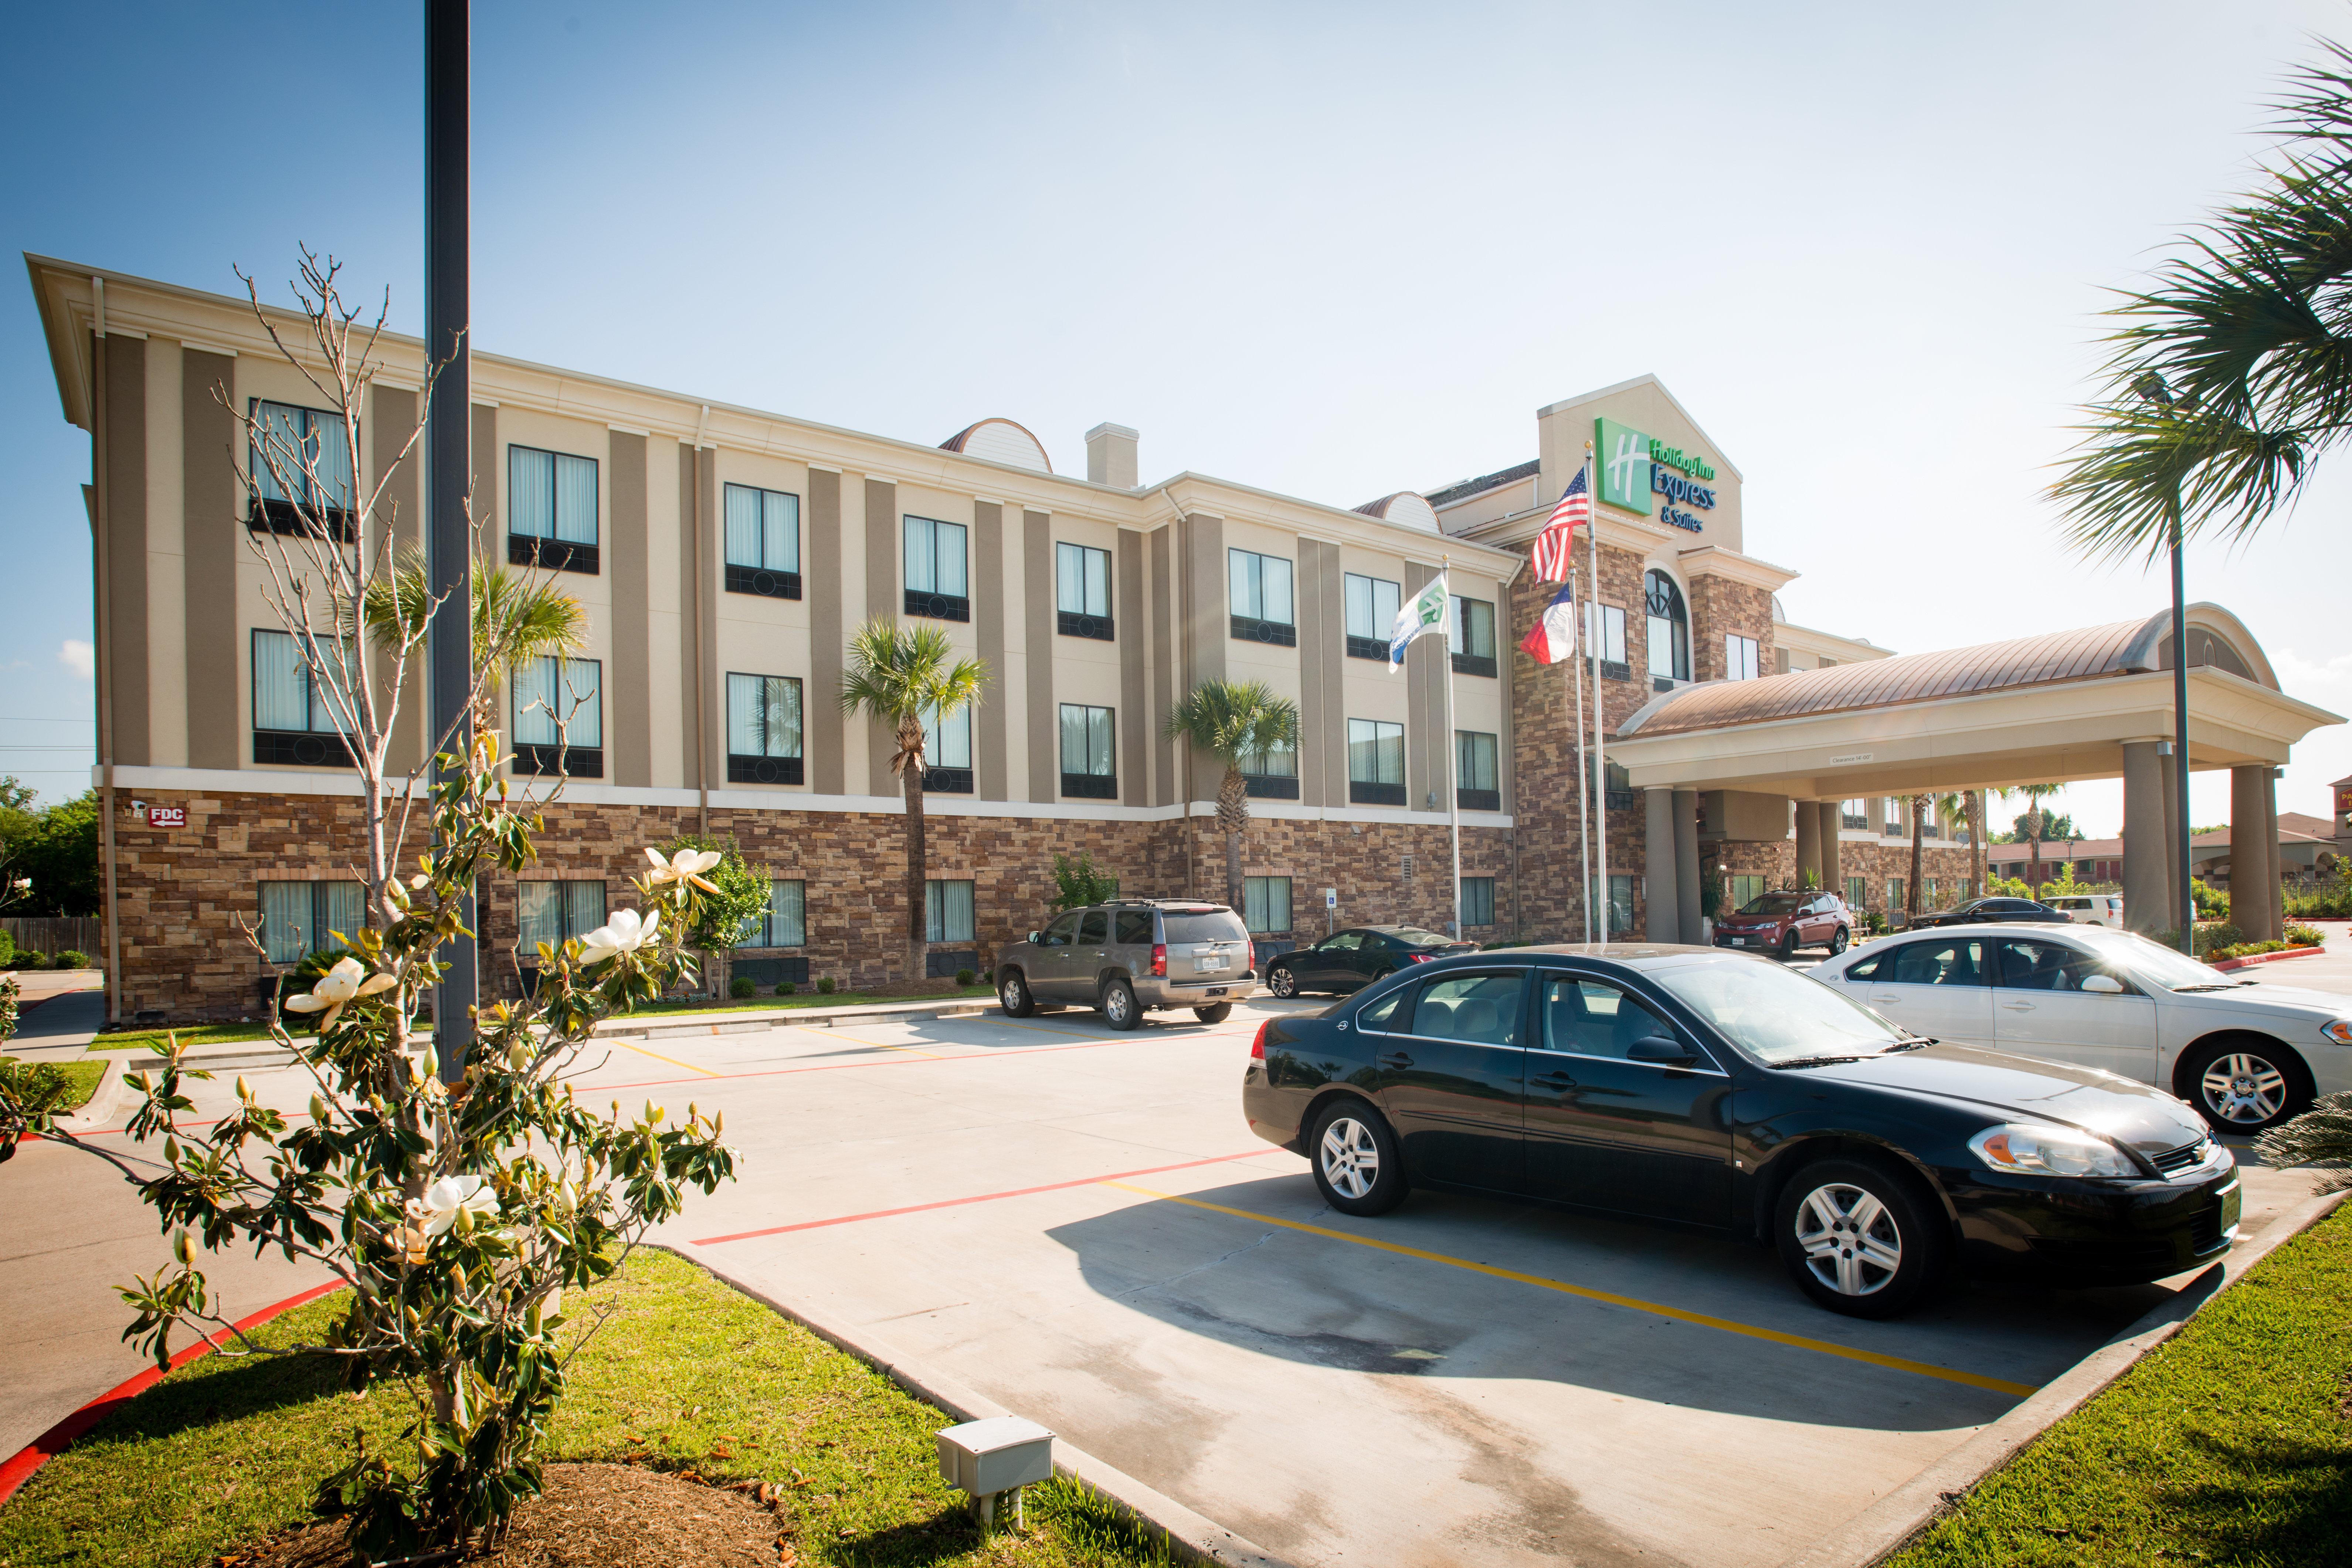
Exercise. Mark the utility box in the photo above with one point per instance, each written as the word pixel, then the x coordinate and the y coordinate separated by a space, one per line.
pixel 1740 817
pixel 985 1458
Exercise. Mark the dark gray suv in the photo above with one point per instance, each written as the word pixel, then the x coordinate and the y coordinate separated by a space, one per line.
pixel 1130 957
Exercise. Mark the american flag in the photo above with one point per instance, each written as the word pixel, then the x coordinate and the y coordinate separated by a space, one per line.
pixel 1557 542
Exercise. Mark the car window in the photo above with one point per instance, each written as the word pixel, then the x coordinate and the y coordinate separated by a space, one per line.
pixel 1095 932
pixel 1062 931
pixel 1951 962
pixel 1382 1013
pixel 1202 925
pixel 1413 936
pixel 1482 1009
pixel 1346 941
pixel 1771 904
pixel 1864 968
pixel 1133 928
pixel 2041 965
pixel 1592 1018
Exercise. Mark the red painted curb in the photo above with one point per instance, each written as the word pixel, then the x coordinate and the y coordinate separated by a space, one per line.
pixel 2267 957
pixel 60 1438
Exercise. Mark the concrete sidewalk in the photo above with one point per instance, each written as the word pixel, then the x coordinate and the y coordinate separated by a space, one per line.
pixel 63 1025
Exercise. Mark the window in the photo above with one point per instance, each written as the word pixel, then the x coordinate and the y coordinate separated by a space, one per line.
pixel 1478 901
pixel 1082 592
pixel 1263 608
pixel 1853 814
pixel 1620 902
pixel 1669 630
pixel 947 752
pixel 764 730
pixel 1061 934
pixel 1739 657
pixel 1616 789
pixel 1742 889
pixel 1383 1014
pixel 559 718
pixel 550 510
pixel 1265 904
pixel 555 913
pixel 299 917
pixel 294 720
pixel 1095 929
pixel 785 924
pixel 1131 928
pixel 1605 632
pixel 1089 759
pixel 937 585
pixel 1591 1018
pixel 1375 762
pixel 1928 891
pixel 1371 615
pixel 313 452
pixel 947 911
pixel 1476 786
pixel 1272 774
pixel 1482 1009
pixel 1857 889
pixel 1474 636
pixel 1935 962
pixel 764 542
pixel 1894 894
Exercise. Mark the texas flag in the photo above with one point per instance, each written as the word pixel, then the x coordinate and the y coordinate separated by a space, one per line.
pixel 1553 636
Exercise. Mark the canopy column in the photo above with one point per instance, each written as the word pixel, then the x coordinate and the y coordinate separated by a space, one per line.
pixel 1832 860
pixel 2250 868
pixel 1809 844
pixel 1661 884
pixel 2273 883
pixel 1686 900
pixel 2147 898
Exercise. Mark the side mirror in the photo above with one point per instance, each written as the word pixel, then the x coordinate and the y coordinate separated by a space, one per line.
pixel 1658 1048
pixel 2103 984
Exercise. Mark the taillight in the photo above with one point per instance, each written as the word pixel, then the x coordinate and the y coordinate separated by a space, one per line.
pixel 1257 1044
pixel 1159 959
pixel 1422 957
pixel 1249 964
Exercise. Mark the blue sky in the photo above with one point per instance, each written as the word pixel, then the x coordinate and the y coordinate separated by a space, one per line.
pixel 1332 250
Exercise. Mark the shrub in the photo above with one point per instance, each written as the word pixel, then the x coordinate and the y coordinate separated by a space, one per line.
pixel 29 959
pixel 2305 936
pixel 786 988
pixel 826 985
pixel 7 951
pixel 73 958
pixel 966 976
pixel 1076 883
pixel 2211 904
pixel 741 986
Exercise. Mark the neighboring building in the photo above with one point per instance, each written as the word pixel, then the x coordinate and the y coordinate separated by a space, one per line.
pixel 725 555
pixel 2303 840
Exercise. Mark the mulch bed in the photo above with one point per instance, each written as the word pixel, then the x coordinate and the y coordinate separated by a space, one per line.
pixel 591 1516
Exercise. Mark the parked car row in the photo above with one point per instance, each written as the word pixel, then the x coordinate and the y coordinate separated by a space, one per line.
pixel 1130 957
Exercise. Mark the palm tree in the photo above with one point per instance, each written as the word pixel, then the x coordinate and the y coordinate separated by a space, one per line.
pixel 906 679
pixel 1231 720
pixel 2321 1136
pixel 2233 371
pixel 1953 808
pixel 518 616
pixel 2034 819
pixel 1918 804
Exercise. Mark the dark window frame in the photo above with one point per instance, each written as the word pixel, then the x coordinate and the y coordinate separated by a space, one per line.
pixel 1092 624
pixel 757 578
pixel 327 748
pixel 931 603
pixel 765 767
pixel 286 517
pixel 548 552
pixel 1467 660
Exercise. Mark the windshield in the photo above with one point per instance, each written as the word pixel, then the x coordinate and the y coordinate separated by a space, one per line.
pixel 1775 904
pixel 1413 936
pixel 2157 964
pixel 1203 925
pixel 1775 1015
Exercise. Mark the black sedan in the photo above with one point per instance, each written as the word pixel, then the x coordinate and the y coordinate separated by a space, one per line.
pixel 1718 1089
pixel 1349 960
pixel 1979 909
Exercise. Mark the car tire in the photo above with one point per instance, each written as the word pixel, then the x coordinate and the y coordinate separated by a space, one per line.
pixel 1216 1014
pixel 2244 1083
pixel 1281 982
pixel 1788 945
pixel 1857 1238
pixel 1838 941
pixel 1013 995
pixel 1359 1168
pixel 1116 1005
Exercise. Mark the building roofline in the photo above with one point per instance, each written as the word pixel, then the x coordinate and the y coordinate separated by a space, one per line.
pixel 1645 380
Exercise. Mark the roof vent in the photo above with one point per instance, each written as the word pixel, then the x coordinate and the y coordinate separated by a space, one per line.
pixel 1406 507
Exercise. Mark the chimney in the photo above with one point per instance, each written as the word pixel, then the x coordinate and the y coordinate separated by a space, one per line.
pixel 1110 457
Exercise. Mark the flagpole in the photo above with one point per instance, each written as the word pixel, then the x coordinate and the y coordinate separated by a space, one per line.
pixel 1453 746
pixel 1583 820
pixel 1600 764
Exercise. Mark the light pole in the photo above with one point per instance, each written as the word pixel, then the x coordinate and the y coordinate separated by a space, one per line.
pixel 2152 387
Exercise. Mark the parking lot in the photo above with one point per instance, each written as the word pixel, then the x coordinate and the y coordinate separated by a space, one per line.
pixel 1077 1224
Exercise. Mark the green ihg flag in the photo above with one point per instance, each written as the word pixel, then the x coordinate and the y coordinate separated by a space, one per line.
pixel 1424 612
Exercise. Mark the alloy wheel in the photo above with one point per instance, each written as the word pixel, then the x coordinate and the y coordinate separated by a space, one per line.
pixel 1010 993
pixel 1283 982
pixel 1349 1158
pixel 1850 1240
pixel 1118 1002
pixel 2244 1089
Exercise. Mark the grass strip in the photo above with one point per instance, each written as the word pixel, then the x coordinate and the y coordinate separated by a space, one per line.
pixel 690 1377
pixel 2229 1442
pixel 81 1078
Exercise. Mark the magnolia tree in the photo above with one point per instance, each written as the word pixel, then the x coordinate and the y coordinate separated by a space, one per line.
pixel 459 1213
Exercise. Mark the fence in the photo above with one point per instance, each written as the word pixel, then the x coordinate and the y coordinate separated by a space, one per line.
pixel 52 934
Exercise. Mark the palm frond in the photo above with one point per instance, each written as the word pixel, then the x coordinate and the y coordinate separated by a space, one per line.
pixel 896 675
pixel 1230 720
pixel 2321 1136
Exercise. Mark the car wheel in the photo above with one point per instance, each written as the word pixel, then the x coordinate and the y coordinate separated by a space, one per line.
pixel 1118 1005
pixel 1281 982
pixel 1356 1166
pixel 1217 1013
pixel 1838 941
pixel 1855 1239
pixel 2246 1083
pixel 1013 995
pixel 1788 945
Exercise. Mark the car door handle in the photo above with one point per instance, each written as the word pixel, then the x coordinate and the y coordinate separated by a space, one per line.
pixel 1881 998
pixel 1396 1061
pixel 2018 1006
pixel 1558 1082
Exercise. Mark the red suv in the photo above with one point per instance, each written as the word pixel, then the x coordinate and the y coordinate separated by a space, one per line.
pixel 1783 922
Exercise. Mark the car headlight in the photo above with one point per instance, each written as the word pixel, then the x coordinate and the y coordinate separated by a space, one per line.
pixel 2340 1031
pixel 2049 1151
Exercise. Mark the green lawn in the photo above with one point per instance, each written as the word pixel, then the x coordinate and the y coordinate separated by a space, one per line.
pixel 82 1075
pixel 194 1034
pixel 2231 1443
pixel 692 1376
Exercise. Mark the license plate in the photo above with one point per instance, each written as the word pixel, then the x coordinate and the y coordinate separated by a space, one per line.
pixel 2233 1203
pixel 1216 991
pixel 1207 963
pixel 1739 942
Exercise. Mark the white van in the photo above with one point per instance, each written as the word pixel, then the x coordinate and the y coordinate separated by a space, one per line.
pixel 2092 909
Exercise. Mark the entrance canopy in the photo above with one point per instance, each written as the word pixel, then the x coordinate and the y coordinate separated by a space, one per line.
pixel 2061 706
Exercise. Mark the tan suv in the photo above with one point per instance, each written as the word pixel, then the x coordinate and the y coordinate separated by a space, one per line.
pixel 1130 957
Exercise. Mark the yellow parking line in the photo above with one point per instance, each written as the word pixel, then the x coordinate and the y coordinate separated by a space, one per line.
pixel 1924 1369
pixel 659 1057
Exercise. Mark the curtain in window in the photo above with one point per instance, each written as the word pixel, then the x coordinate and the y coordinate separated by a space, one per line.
pixel 1246 583
pixel 787 923
pixel 340 910
pixel 1371 606
pixel 584 701
pixel 1475 759
pixel 781 526
pixel 922 557
pixel 537 697
pixel 744 541
pixel 949 745
pixel 285 921
pixel 1474 624
pixel 1375 751
pixel 1275 761
pixel 334 465
pixel 746 730
pixel 951 575
pixel 540 915
pixel 947 911
pixel 1277 590
pixel 1265 903
pixel 281 688
pixel 1087 738
pixel 575 500
pixel 584 906
pixel 331 713
pixel 1478 901
pixel 530 492
pixel 764 716
pixel 1074 739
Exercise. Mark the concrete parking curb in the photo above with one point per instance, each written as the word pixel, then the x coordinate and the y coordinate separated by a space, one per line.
pixel 95 1111
pixel 1191 1537
pixel 2268 957
pixel 1895 1519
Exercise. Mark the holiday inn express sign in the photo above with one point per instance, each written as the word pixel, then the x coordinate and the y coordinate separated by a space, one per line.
pixel 1634 467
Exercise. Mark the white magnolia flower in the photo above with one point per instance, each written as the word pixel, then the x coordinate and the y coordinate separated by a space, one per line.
pixel 686 866
pixel 625 932
pixel 436 1211
pixel 347 980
